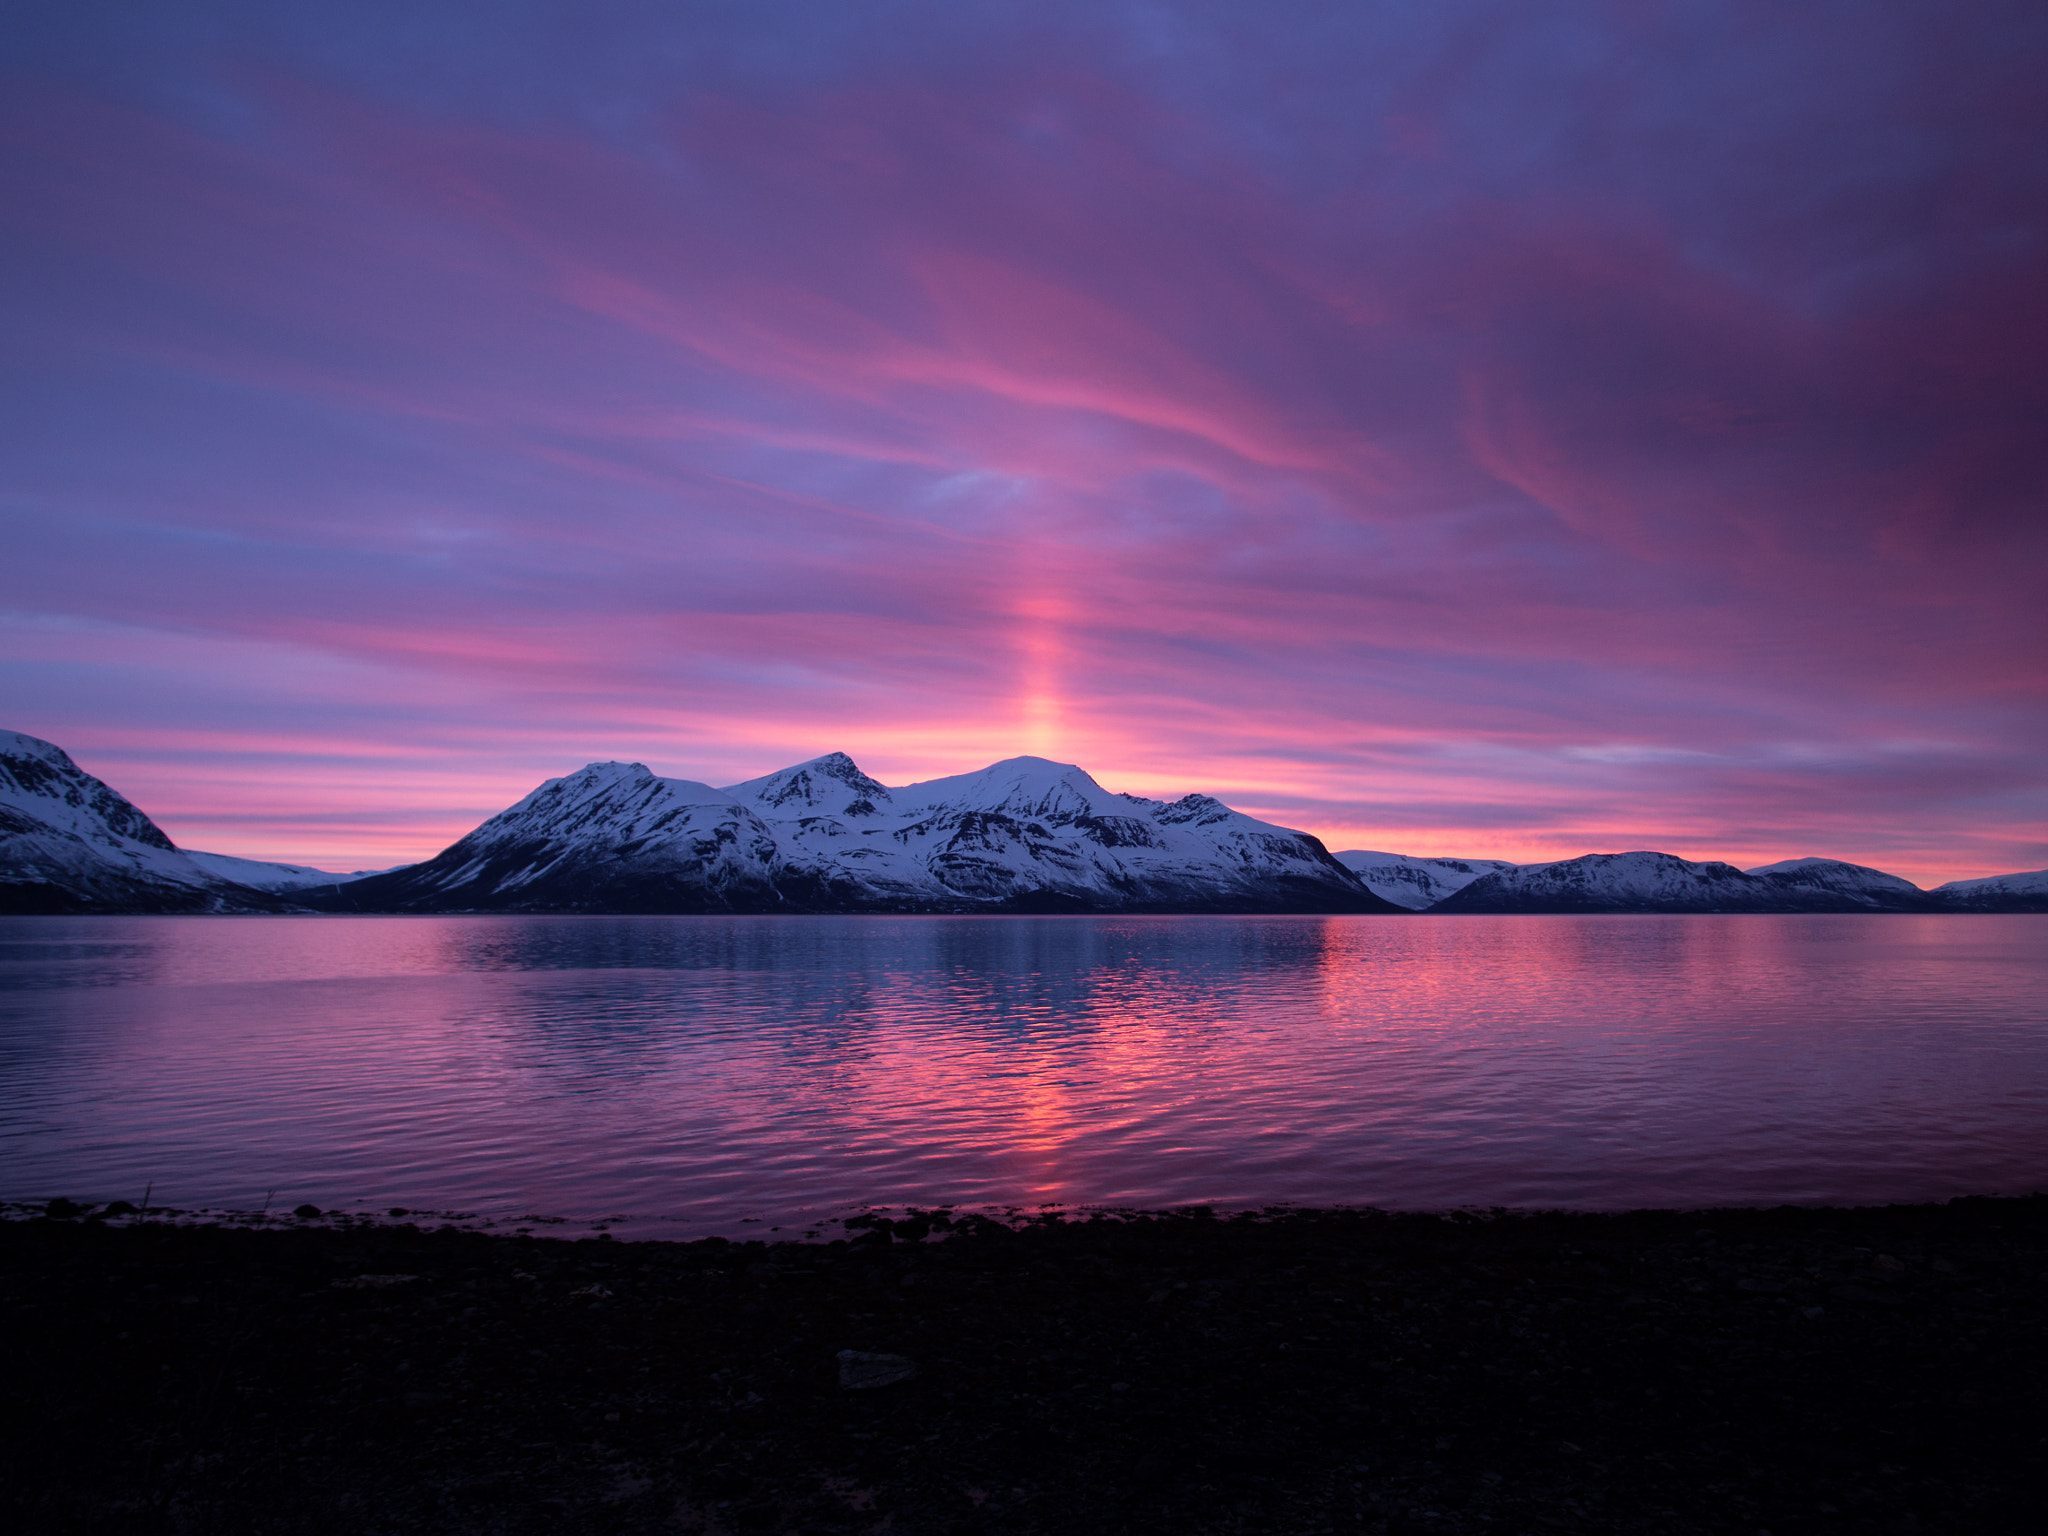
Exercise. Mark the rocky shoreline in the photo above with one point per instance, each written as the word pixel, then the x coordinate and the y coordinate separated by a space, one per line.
pixel 1791 1370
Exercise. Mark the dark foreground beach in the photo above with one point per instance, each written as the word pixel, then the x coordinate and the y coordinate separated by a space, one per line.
pixel 1732 1371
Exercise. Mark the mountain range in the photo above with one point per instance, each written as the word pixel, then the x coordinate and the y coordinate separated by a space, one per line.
pixel 1022 835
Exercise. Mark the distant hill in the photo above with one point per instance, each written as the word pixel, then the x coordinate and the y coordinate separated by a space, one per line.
pixel 1412 881
pixel 1997 893
pixel 263 876
pixel 1661 882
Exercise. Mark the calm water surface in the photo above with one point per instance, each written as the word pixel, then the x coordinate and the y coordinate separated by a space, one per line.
pixel 692 1072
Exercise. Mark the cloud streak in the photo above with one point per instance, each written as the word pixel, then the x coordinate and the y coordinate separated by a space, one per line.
pixel 1471 431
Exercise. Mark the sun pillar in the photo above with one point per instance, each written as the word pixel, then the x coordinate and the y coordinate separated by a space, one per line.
pixel 1041 675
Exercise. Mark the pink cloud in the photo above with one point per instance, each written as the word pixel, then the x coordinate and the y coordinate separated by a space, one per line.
pixel 1011 410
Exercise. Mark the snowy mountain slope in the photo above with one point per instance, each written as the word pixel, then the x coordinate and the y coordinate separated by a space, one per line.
pixel 1639 882
pixel 261 876
pixel 1857 884
pixel 832 785
pixel 1996 893
pixel 1660 882
pixel 69 843
pixel 834 828
pixel 1025 834
pixel 1024 788
pixel 1042 833
pixel 1412 881
pixel 611 837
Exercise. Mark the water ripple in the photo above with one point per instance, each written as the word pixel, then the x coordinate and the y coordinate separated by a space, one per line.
pixel 700 1071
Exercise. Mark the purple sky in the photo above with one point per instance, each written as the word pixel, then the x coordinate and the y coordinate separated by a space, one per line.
pixel 1486 428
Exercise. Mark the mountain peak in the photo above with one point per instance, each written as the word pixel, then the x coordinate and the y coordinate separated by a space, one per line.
pixel 1020 786
pixel 839 765
pixel 613 770
pixel 21 744
pixel 831 785
pixel 1026 760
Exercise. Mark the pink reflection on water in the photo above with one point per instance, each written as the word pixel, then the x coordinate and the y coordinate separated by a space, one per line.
pixel 693 1072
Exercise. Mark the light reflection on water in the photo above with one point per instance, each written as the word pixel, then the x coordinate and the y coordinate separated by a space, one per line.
pixel 701 1070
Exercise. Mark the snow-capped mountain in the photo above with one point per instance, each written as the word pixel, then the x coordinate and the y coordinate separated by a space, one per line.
pixel 1412 881
pixel 1020 835
pixel 1857 884
pixel 611 837
pixel 1030 830
pixel 260 875
pixel 69 843
pixel 1997 893
pixel 1662 882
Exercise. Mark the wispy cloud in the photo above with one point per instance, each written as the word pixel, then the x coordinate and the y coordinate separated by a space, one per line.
pixel 1519 432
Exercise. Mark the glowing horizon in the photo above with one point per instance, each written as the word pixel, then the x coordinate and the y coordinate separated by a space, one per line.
pixel 1467 431
pixel 370 824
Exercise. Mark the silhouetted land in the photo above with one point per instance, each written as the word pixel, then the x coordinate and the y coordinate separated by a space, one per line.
pixel 1734 1371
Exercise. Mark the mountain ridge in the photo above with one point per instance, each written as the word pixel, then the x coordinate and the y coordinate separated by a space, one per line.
pixel 1022 835
pixel 1647 881
pixel 71 844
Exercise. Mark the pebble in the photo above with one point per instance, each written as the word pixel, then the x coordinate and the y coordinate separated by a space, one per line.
pixel 860 1371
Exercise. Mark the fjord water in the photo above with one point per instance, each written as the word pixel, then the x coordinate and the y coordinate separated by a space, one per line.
pixel 692 1073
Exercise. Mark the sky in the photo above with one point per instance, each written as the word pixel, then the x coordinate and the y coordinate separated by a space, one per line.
pixel 1478 428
